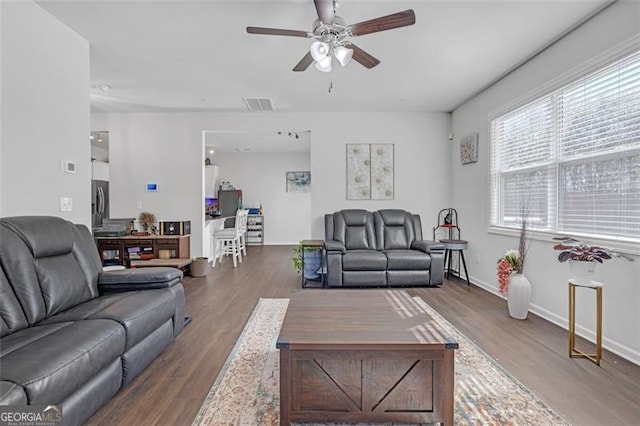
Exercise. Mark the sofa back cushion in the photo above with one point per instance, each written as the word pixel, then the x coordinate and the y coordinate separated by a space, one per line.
pixel 37 255
pixel 353 228
pixel 394 229
pixel 11 316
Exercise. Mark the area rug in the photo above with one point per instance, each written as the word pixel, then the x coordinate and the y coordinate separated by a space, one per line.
pixel 246 392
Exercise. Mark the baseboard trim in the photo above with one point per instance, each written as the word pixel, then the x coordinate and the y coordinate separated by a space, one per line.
pixel 609 344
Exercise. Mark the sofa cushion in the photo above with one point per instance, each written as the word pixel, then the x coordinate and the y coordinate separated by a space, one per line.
pixel 407 260
pixel 12 394
pixel 364 278
pixel 52 361
pixel 354 228
pixel 44 235
pixel 364 260
pixel 394 229
pixel 12 316
pixel 408 278
pixel 46 278
pixel 139 312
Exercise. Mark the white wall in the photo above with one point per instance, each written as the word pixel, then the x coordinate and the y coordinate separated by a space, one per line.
pixel 261 176
pixel 471 184
pixel 167 148
pixel 45 115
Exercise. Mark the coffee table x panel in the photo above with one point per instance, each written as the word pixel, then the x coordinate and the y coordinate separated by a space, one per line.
pixel 363 356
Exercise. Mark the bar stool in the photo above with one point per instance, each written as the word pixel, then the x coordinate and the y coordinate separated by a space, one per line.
pixel 458 246
pixel 573 352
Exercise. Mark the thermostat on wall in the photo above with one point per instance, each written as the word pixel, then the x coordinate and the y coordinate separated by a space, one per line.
pixel 152 187
pixel 68 166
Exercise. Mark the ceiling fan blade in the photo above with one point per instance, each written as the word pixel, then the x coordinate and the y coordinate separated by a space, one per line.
pixel 389 22
pixel 363 57
pixel 304 62
pixel 277 31
pixel 326 13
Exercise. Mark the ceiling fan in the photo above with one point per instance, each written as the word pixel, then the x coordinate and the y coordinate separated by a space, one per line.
pixel 332 36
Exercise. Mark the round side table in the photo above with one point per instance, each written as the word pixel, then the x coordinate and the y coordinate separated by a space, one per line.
pixel 455 246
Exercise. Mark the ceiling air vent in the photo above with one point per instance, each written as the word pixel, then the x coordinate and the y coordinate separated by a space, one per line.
pixel 258 104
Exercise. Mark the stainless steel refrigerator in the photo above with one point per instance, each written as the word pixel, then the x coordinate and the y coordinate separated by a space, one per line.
pixel 229 201
pixel 99 202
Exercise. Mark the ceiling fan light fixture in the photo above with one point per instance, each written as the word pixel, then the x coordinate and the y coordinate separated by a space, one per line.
pixel 319 50
pixel 343 55
pixel 324 65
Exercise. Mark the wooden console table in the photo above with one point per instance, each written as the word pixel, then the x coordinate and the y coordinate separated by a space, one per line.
pixel 114 250
pixel 363 356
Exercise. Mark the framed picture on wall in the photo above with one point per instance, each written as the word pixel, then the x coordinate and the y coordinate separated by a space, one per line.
pixel 298 181
pixel 469 148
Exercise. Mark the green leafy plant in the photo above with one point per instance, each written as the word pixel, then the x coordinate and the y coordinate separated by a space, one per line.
pixel 297 255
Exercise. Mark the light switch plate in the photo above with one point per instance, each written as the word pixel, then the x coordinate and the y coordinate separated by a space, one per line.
pixel 66 204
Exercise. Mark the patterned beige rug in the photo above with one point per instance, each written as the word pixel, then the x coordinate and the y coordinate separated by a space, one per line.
pixel 246 391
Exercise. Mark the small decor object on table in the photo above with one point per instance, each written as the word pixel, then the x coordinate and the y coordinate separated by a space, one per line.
pixel 582 257
pixel 148 221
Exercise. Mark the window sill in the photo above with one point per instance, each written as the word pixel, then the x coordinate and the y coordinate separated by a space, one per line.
pixel 624 247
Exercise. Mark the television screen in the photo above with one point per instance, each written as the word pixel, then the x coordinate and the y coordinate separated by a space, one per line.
pixel 210 206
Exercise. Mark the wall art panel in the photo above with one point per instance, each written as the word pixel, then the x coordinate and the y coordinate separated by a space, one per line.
pixel 370 172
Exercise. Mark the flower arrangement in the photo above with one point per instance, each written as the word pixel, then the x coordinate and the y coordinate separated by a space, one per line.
pixel 511 261
pixel 573 249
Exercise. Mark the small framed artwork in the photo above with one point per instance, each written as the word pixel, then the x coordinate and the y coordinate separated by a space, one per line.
pixel 298 181
pixel 469 148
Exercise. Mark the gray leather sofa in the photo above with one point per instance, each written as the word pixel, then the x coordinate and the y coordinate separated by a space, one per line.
pixel 70 334
pixel 380 249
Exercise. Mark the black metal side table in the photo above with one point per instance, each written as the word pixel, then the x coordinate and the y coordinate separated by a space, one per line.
pixel 319 244
pixel 451 246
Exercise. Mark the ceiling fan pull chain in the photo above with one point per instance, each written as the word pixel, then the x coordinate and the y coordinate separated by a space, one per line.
pixel 330 86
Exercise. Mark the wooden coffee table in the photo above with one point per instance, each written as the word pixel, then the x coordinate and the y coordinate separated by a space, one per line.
pixel 363 356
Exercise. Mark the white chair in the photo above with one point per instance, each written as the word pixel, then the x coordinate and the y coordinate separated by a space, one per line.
pixel 243 232
pixel 227 241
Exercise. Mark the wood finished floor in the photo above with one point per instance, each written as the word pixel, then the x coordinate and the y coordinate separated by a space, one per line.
pixel 171 390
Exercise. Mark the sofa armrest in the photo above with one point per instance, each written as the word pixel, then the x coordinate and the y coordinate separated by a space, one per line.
pixel 333 246
pixel 138 279
pixel 426 246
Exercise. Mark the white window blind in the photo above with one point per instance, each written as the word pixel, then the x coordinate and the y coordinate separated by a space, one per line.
pixel 571 158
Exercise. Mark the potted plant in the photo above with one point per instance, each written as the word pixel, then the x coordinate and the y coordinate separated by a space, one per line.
pixel 199 266
pixel 511 279
pixel 583 257
pixel 148 221
pixel 312 260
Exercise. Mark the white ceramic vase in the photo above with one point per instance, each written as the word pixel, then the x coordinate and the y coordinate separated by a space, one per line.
pixel 581 271
pixel 519 296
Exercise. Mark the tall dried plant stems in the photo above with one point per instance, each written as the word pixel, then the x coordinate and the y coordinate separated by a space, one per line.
pixel 522 245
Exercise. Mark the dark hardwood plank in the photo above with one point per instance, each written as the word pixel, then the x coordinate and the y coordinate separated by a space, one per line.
pixel 172 388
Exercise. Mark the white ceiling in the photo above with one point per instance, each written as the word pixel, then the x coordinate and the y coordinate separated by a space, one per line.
pixel 197 56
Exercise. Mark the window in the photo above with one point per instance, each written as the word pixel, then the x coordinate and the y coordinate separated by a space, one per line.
pixel 571 158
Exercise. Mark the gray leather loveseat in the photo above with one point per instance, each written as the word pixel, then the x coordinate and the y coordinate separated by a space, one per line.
pixel 380 249
pixel 70 334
